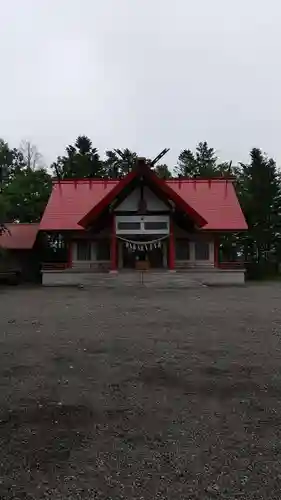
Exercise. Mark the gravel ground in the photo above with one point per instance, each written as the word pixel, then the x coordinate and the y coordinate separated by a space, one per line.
pixel 140 394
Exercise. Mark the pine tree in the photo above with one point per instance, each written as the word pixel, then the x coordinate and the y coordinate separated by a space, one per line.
pixel 206 161
pixel 260 196
pixel 202 164
pixel 163 171
pixel 187 166
pixel 118 165
pixel 81 161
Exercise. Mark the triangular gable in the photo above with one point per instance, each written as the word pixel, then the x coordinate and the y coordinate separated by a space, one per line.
pixel 131 203
pixel 142 170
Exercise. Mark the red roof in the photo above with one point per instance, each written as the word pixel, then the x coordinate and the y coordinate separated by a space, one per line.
pixel 70 201
pixel 215 201
pixel 19 236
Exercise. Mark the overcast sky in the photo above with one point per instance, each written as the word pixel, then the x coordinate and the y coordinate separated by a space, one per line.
pixel 143 74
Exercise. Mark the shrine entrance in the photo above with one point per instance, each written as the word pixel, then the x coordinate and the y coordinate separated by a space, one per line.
pixel 143 241
pixel 144 256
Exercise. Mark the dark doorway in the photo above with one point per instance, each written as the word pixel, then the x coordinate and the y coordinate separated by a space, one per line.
pixel 154 257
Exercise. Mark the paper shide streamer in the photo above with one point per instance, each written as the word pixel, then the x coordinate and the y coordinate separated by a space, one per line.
pixel 142 246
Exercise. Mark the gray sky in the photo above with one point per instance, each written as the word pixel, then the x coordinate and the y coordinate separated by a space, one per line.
pixel 143 74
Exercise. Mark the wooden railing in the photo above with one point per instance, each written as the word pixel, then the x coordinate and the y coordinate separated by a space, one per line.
pixel 232 265
pixel 60 266
pixel 54 266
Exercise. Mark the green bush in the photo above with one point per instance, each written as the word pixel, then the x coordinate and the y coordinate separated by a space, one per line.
pixel 261 270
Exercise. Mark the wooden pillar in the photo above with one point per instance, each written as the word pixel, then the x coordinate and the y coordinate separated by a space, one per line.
pixel 216 250
pixel 113 247
pixel 69 254
pixel 165 254
pixel 120 254
pixel 171 246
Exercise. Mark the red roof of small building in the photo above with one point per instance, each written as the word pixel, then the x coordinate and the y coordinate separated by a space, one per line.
pixel 214 200
pixel 19 236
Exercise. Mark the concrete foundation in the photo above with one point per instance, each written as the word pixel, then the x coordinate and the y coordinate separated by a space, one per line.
pixel 161 279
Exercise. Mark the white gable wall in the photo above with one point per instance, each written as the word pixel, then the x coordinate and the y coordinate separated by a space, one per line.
pixel 131 203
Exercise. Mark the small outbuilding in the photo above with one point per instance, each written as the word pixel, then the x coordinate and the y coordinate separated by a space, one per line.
pixel 19 256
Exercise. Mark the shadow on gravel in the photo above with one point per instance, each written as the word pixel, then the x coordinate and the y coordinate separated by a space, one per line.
pixel 210 381
pixel 43 435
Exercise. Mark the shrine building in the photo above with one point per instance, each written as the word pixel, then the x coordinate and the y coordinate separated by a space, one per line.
pixel 166 230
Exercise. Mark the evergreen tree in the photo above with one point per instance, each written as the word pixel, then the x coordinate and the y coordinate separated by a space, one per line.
pixel 201 164
pixel 81 161
pixel 118 163
pixel 260 195
pixel 163 171
pixel 206 161
pixel 187 166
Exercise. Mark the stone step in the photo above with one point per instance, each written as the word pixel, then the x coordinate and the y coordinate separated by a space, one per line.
pixel 149 280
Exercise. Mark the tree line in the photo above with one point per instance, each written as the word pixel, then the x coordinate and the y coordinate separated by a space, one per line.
pixel 25 186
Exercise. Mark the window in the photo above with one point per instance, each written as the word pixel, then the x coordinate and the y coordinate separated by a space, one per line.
pixel 155 225
pixel 182 250
pixel 202 251
pixel 103 250
pixel 128 226
pixel 139 224
pixel 83 250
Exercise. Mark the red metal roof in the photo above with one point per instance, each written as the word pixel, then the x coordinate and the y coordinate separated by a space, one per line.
pixel 215 200
pixel 19 236
pixel 70 201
